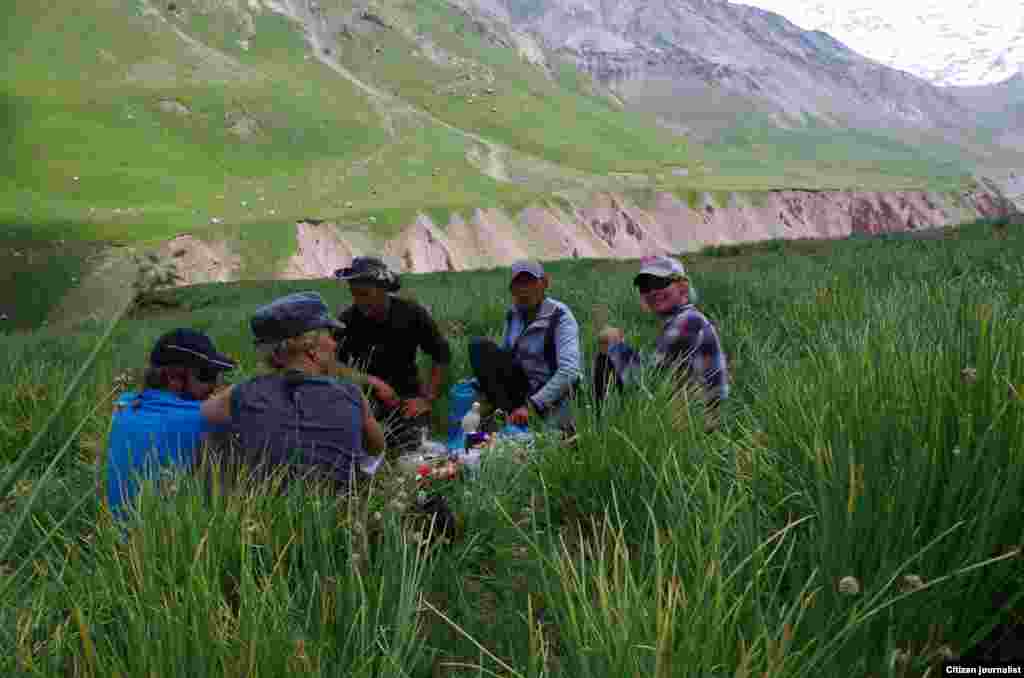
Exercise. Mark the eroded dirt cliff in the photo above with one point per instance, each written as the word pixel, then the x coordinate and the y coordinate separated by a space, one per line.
pixel 611 225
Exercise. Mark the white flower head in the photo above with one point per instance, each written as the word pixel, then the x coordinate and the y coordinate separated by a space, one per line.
pixel 899 658
pixel 912 582
pixel 849 586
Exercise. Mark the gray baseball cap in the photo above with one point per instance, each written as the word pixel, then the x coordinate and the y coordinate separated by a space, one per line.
pixel 532 267
pixel 660 267
pixel 290 316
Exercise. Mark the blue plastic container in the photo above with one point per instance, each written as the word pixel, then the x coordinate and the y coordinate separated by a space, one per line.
pixel 461 396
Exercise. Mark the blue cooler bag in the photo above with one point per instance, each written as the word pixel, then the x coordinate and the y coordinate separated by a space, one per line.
pixel 461 396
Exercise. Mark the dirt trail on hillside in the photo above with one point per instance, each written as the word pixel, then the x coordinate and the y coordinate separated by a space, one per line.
pixel 300 13
pixel 217 65
pixel 387 104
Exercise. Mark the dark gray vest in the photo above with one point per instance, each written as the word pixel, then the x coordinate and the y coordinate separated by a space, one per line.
pixel 307 423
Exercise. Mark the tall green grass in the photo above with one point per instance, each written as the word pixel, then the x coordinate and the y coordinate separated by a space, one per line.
pixel 874 435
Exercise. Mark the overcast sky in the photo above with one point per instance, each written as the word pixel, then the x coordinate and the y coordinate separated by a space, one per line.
pixel 951 41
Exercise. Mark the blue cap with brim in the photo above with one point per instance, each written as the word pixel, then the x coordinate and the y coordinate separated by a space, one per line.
pixel 291 316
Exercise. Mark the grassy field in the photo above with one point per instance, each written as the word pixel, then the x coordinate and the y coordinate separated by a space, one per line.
pixel 875 434
pixel 819 156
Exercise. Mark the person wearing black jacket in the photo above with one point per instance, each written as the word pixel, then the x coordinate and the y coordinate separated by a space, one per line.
pixel 382 336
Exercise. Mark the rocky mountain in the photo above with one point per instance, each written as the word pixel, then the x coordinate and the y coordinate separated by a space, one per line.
pixel 699 63
pixel 946 43
pixel 999 107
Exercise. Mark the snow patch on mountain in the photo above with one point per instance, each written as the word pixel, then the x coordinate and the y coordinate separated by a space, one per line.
pixel 948 43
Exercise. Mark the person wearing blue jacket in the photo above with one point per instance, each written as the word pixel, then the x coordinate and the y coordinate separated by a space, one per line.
pixel 159 431
pixel 536 369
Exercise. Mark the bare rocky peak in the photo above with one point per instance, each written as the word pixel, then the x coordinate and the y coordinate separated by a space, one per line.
pixel 994 97
pixel 656 53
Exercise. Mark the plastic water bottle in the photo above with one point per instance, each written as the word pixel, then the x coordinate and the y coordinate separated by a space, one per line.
pixel 429 448
pixel 471 422
pixel 470 462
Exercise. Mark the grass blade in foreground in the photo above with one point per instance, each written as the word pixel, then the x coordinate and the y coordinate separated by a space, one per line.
pixel 17 470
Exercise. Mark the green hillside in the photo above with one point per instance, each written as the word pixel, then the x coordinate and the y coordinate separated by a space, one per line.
pixel 168 122
pixel 131 121
pixel 83 98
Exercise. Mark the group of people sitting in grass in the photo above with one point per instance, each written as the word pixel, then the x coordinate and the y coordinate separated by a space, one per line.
pixel 309 414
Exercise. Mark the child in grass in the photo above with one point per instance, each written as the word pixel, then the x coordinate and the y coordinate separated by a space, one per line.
pixel 688 342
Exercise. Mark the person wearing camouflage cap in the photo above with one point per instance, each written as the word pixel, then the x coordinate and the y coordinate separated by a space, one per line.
pixel 688 340
pixel 300 417
pixel 383 334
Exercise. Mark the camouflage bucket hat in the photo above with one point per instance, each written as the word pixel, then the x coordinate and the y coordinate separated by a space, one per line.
pixel 370 269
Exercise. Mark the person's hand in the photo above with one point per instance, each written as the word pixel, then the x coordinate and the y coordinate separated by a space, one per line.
pixel 217 409
pixel 520 416
pixel 373 432
pixel 414 407
pixel 384 393
pixel 608 337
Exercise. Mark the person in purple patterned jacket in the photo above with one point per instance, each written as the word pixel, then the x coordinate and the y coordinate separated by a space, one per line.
pixel 688 340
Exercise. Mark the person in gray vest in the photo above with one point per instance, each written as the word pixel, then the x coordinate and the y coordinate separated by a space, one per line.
pixel 537 367
pixel 298 417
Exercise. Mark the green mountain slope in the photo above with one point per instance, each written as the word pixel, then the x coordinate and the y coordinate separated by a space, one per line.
pixel 203 114
pixel 166 133
pixel 132 121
